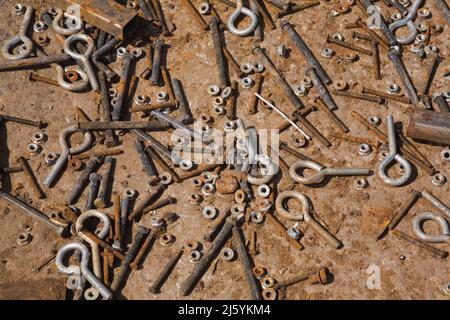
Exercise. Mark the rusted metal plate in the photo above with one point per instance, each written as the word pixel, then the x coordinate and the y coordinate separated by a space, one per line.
pixel 107 15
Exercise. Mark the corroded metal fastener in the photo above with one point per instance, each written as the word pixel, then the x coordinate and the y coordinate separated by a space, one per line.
pixel 221 61
pixel 120 277
pixel 101 201
pixel 246 263
pixel 123 87
pixel 262 55
pixel 165 273
pixel 202 266
pixel 83 180
pixel 157 59
pixel 301 45
pixel 34 213
pixel 37 190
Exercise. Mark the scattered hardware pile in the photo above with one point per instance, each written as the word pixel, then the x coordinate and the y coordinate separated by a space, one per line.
pixel 113 52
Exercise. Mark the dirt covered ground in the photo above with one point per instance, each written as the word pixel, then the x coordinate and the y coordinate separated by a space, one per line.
pixel 406 271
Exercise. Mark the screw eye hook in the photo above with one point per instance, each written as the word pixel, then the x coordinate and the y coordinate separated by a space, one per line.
pixel 407 21
pixel 27 45
pixel 394 156
pixel 240 9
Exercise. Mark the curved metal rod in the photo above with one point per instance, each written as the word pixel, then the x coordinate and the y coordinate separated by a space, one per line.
pixel 83 58
pixel 304 215
pixel 418 230
pixel 27 46
pixel 407 21
pixel 79 224
pixel 393 156
pixel 83 268
pixel 66 31
pixel 66 151
pixel 267 176
pixel 240 9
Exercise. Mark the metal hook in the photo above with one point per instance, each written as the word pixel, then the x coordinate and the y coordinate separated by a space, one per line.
pixel 241 9
pixel 304 215
pixel 66 31
pixel 321 172
pixel 66 151
pixel 417 227
pixel 83 58
pixel 407 21
pixel 83 268
pixel 27 46
pixel 394 156
pixel 269 166
pixel 79 224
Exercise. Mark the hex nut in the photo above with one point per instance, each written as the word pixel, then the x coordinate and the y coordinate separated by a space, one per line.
pixel 39 137
pixel 19 9
pixel 130 193
pixel 204 8
pixel 294 233
pixel 256 217
pixel 209 212
pixel 431 49
pixel 194 256
pixel 269 294
pixel 197 183
pixel 341 85
pixel 259 272
pixel 192 245
pixel 213 90
pixel 300 90
pixel 424 12
pixel 237 209
pixel 136 53
pixel 246 67
pixel 91 294
pixel 43 40
pixel 218 101
pixel 263 190
pixel 421 26
pixel 206 118
pixel 195 199
pixel 166 239
pixel 226 254
pixel 267 282
pixel 240 196
pixel 247 82
pixel 51 158
pixel 39 26
pixel 396 16
pixel 75 164
pixel 420 39
pixel 361 183
pixel 307 82
pixel 375 121
pixel 186 164
pixel 166 177
pixel 226 92
pixel 33 149
pixel 364 149
pixel 393 88
pixel 162 97
pixel 24 238
pixel 229 126
pixel 258 67
pixel 112 92
pixel 208 176
pixel 438 180
pixel 445 155
pixel 208 189
pixel 327 53
pixel 299 141
pixel 218 111
pixel 338 36
pixel 121 52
